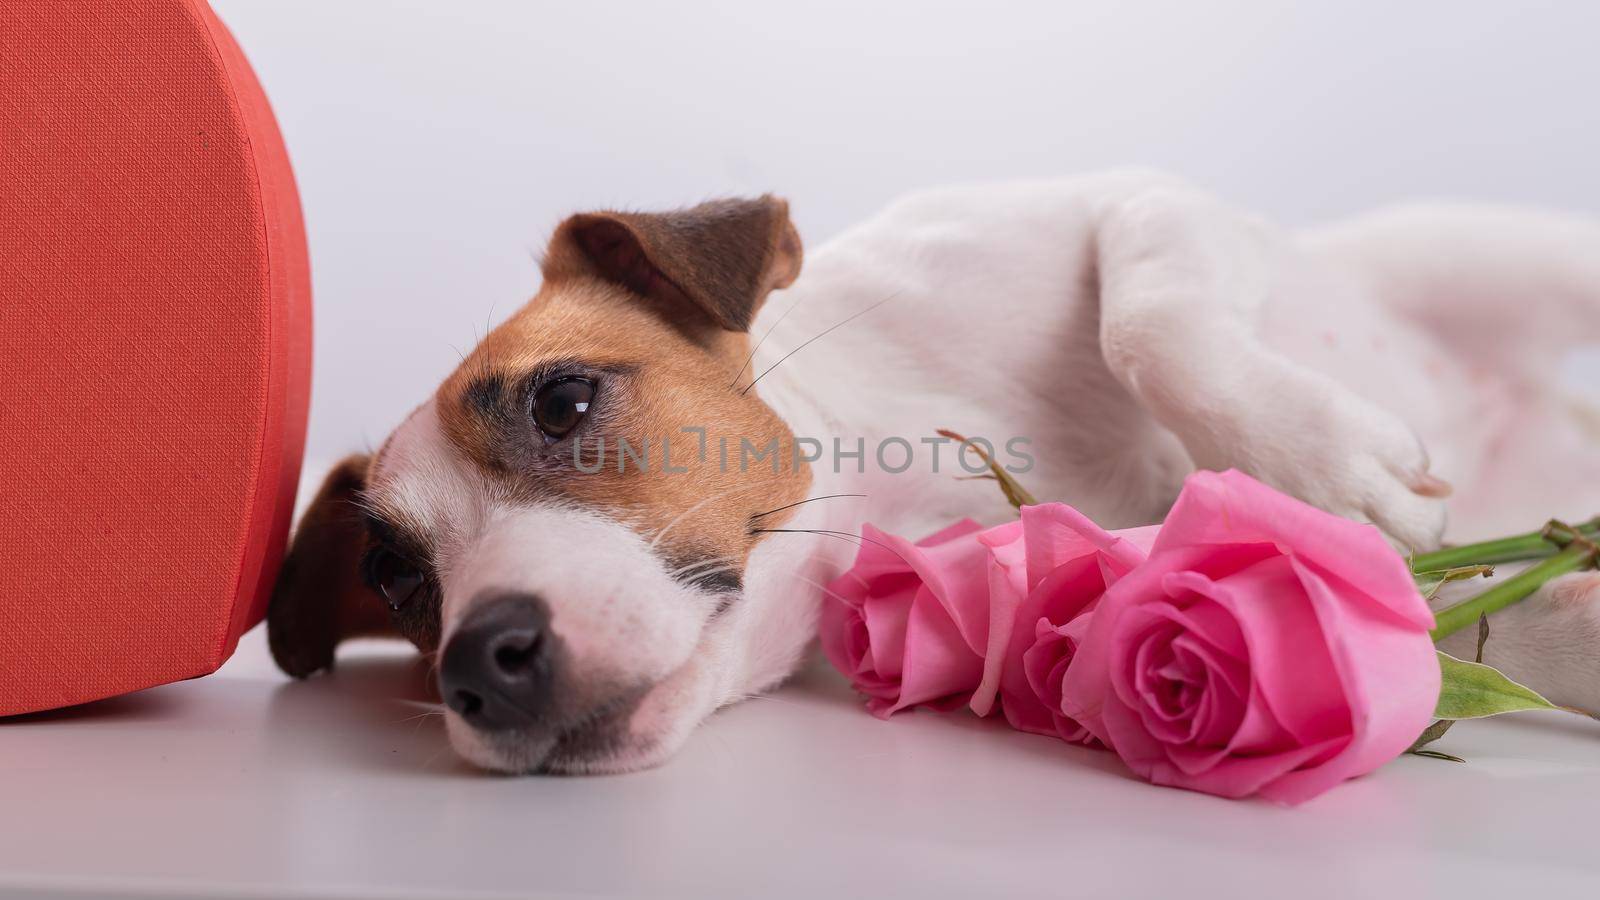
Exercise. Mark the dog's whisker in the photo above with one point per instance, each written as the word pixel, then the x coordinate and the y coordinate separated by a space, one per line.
pixel 842 535
pixel 820 586
pixel 428 710
pixel 432 675
pixel 703 568
pixel 418 719
pixel 771 699
pixel 802 502
pixel 709 561
pixel 809 342
pixel 714 572
pixel 655 541
pixel 753 350
pixel 660 535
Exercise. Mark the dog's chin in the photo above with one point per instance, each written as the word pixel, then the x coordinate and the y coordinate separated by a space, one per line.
pixel 603 744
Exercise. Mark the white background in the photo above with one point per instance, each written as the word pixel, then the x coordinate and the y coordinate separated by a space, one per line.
pixel 437 143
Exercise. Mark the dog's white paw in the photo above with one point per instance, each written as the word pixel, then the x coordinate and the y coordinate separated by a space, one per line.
pixel 1327 446
pixel 1549 642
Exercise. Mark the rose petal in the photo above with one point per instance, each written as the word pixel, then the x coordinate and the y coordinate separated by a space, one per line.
pixel 1055 534
pixel 1233 508
pixel 1167 718
pixel 887 617
pixel 1050 651
pixel 1086 692
pixel 1233 776
pixel 1007 589
pixel 1390 677
pixel 1200 617
pixel 938 663
pixel 1289 662
pixel 949 533
pixel 839 625
pixel 1045 664
pixel 900 622
pixel 1217 718
pixel 954 574
pixel 1065 558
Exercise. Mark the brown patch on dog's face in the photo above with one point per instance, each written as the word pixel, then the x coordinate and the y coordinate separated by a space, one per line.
pixel 641 308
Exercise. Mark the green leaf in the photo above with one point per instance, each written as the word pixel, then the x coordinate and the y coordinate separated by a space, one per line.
pixel 1473 691
pixel 1437 729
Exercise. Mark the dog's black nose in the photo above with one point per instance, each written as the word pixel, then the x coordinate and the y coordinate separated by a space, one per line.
pixel 498 668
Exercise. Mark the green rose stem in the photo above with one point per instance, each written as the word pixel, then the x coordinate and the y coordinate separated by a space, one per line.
pixel 1533 545
pixel 1014 491
pixel 1578 554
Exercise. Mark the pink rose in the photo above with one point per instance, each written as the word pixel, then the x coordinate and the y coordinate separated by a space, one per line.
pixel 1264 647
pixel 1045 664
pixel 1046 573
pixel 909 622
pixel 948 620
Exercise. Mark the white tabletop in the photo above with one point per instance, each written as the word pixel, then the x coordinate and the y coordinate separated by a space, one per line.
pixel 246 784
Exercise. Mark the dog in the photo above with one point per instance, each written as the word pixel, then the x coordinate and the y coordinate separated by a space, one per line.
pixel 1105 335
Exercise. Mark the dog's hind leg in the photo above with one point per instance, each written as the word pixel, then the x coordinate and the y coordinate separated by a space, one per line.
pixel 1509 293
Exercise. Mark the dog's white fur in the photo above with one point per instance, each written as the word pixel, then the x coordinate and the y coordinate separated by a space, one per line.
pixel 1133 328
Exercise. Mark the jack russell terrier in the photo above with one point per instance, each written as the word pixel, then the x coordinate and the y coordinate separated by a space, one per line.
pixel 618 514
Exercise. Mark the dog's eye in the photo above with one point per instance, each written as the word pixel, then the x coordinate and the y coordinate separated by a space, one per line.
pixel 560 405
pixel 394 577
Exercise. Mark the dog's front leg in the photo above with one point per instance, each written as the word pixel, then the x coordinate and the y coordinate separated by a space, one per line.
pixel 1182 281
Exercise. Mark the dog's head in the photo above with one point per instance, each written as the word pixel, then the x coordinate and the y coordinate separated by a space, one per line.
pixel 569 520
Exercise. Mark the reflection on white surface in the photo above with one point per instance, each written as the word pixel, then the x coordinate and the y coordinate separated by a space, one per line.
pixel 334 786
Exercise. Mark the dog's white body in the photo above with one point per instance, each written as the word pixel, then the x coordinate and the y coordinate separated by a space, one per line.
pixel 1134 327
pixel 1131 328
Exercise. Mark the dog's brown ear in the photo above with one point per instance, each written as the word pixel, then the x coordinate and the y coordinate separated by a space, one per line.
pixel 720 258
pixel 320 598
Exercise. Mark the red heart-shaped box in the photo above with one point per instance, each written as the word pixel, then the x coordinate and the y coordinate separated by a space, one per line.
pixel 155 341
